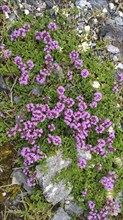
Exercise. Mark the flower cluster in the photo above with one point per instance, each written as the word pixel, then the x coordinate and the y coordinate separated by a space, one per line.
pixel 74 58
pixel 5 9
pixel 118 83
pixel 97 98
pixel 109 181
pixel 5 53
pixel 111 208
pixel 49 61
pixel 21 32
pixel 23 67
pixel 31 155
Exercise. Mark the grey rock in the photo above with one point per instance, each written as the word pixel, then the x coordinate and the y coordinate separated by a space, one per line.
pixel 36 91
pixel 83 154
pixel 99 4
pixel 112 49
pixel 17 99
pixel 12 17
pixel 72 208
pixel 3 84
pixel 49 3
pixel 81 3
pixel 20 179
pixel 53 193
pixel 119 21
pixel 61 215
pixel 31 2
pixel 112 6
pixel 54 165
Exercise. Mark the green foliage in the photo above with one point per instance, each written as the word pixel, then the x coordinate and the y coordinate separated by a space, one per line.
pixel 100 71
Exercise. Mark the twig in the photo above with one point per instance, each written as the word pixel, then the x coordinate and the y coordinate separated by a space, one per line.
pixel 6 185
pixel 11 90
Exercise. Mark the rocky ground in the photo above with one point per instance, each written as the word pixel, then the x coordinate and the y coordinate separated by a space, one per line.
pixel 100 21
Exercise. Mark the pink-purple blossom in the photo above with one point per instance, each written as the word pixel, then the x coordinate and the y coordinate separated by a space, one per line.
pixel 85 73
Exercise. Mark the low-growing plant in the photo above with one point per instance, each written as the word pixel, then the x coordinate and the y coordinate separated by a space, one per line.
pixel 75 109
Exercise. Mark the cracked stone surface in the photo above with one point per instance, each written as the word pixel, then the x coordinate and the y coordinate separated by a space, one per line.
pixel 20 179
pixel 61 215
pixel 56 192
pixel 72 208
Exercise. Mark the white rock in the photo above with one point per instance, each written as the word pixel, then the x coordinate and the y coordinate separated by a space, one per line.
pixel 112 49
pixel 6 14
pixel 118 105
pixel 1 170
pixel 15 181
pixel 105 10
pixel 119 66
pixel 120 14
pixel 95 84
pixel 67 202
pixel 20 5
pixel 38 9
pixel 4 193
pixel 81 3
pixel 26 12
pixel 118 161
pixel 87 29
pixel 115 58
pixel 84 154
pixel 111 6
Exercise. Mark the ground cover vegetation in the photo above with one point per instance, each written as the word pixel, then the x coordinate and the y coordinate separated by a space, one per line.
pixel 77 108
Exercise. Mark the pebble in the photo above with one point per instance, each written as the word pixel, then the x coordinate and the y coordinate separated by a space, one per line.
pixel 81 3
pixel 87 29
pixel 119 21
pixel 120 13
pixel 119 66
pixel 112 49
pixel 95 84
pixel 26 11
pixel 115 58
pixel 112 6
pixel 105 10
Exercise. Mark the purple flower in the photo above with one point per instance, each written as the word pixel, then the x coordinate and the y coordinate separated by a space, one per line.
pixel 84 193
pixel 54 45
pixel 17 60
pixel 8 53
pixel 82 163
pixel 57 141
pixel 74 55
pixel 26 26
pixel 91 204
pixel 2 47
pixel 31 182
pixel 93 104
pixel 78 64
pixel 120 77
pixel 51 127
pixel 60 90
pixel 97 96
pixel 94 120
pixel 1 114
pixel 41 79
pixel 30 64
pixel 52 26
pixel 25 151
pixel 56 67
pixel 85 73
pixel 5 9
